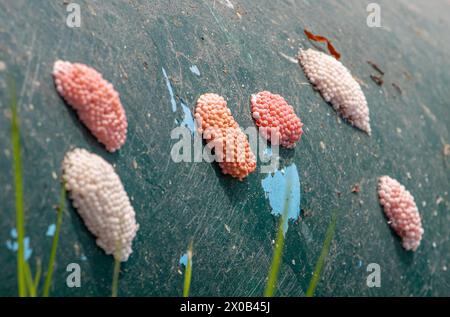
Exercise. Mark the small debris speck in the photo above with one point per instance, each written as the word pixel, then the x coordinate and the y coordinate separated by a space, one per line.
pixel 446 150
pixel 375 66
pixel 356 188
pixel 397 88
pixel 377 80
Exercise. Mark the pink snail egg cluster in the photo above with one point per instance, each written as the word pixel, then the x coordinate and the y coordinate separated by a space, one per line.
pixel 337 86
pixel 401 210
pixel 100 199
pixel 273 114
pixel 96 101
pixel 218 127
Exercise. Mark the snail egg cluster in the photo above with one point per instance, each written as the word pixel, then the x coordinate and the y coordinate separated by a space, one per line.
pixel 337 86
pixel 401 210
pixel 96 101
pixel 100 199
pixel 273 114
pixel 218 127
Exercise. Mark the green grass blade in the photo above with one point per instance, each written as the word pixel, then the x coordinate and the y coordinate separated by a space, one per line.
pixel 188 273
pixel 18 181
pixel 29 281
pixel 115 282
pixel 279 245
pixel 116 272
pixel 37 277
pixel 51 264
pixel 323 255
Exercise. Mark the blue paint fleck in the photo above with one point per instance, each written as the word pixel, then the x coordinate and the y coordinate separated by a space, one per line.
pixel 28 250
pixel 188 119
pixel 170 89
pixel 184 260
pixel 14 245
pixel 51 230
pixel 83 257
pixel 360 263
pixel 194 69
pixel 268 152
pixel 274 186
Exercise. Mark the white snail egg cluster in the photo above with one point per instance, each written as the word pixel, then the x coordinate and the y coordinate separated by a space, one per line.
pixel 337 86
pixel 101 200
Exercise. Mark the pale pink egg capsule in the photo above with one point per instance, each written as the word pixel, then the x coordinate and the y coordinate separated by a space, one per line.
pixel 273 115
pixel 95 100
pixel 401 211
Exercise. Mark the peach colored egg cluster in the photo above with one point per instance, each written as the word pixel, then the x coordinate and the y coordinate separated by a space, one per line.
pixel 273 115
pixel 96 101
pixel 218 127
pixel 401 210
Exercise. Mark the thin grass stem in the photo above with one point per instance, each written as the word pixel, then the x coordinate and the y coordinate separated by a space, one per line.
pixel 188 273
pixel 51 263
pixel 116 272
pixel 279 245
pixel 18 181
pixel 323 255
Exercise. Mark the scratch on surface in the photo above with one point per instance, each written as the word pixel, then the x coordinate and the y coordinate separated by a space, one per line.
pixel 27 73
pixel 226 3
pixel 34 81
pixel 289 58
pixel 170 89
pixel 428 112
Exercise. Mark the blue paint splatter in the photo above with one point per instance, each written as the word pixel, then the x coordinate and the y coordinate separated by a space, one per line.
pixel 28 250
pixel 188 119
pixel 14 246
pixel 194 69
pixel 268 152
pixel 184 260
pixel 170 89
pixel 83 257
pixel 51 230
pixel 274 186
pixel 360 263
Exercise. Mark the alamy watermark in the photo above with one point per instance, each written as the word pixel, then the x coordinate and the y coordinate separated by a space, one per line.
pixel 374 17
pixel 225 145
pixel 74 277
pixel 374 278
pixel 73 18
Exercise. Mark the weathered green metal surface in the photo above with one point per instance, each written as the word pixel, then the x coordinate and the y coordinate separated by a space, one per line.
pixel 238 50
